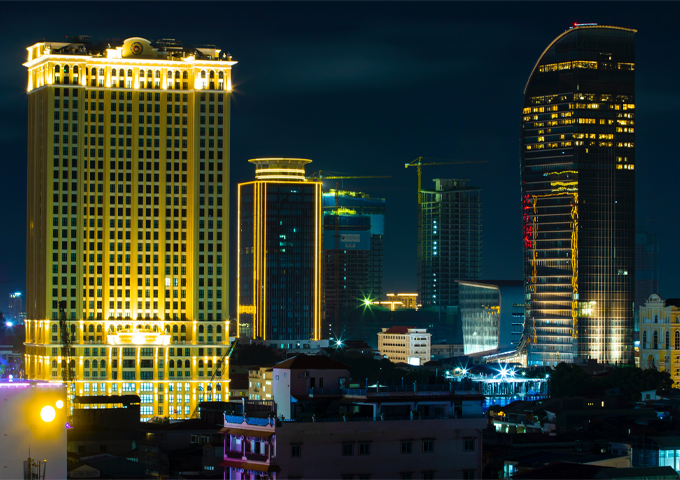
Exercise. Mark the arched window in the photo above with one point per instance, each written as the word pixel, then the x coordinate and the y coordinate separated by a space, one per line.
pixel 149 74
pixel 54 328
pixel 655 345
pixel 209 363
pixel 167 328
pixel 93 71
pixel 129 73
pixel 102 363
pixel 141 73
pixel 87 364
pixel 221 75
pixel 174 329
pixel 183 329
pixel 677 339
pixel 158 74
pixel 57 69
pixel 95 364
pixel 114 72
pixel 91 328
pixel 185 75
pixel 72 363
pixel 177 74
pixel 656 319
pixel 172 364
pixel 200 364
pixel 212 74
pixel 644 339
pixel 210 330
pixel 668 340
pixel 99 329
pixel 200 329
pixel 75 69
pixel 65 68
pixel 202 73
pixel 187 364
pixel 219 329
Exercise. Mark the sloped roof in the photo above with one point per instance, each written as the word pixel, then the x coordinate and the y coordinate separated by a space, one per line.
pixel 311 362
pixel 398 330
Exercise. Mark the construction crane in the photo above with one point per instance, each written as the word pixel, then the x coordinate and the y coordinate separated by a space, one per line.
pixel 217 376
pixel 68 375
pixel 420 163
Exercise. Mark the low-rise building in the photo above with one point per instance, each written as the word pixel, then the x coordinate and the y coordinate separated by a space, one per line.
pixel 260 383
pixel 405 345
pixel 441 351
pixel 660 336
pixel 442 442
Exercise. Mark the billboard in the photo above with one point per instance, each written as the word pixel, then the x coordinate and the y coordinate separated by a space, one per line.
pixel 347 240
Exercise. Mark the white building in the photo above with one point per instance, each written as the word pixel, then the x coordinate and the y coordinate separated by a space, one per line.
pixel 405 345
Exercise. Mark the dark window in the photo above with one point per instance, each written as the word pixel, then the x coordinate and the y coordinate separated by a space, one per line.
pixel 295 451
pixel 364 449
pixel 406 447
pixel 348 449
pixel 469 445
pixel 428 446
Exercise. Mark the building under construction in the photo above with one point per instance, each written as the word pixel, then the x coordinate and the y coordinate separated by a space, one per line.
pixel 354 225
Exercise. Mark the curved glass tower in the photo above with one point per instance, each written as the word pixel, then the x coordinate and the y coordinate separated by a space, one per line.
pixel 578 195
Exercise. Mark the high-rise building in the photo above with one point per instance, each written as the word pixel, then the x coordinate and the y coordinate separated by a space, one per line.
pixel 578 197
pixel 451 246
pixel 128 203
pixel 354 225
pixel 16 305
pixel 279 253
pixel 646 267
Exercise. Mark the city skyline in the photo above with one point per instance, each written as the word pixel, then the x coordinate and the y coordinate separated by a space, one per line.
pixel 327 71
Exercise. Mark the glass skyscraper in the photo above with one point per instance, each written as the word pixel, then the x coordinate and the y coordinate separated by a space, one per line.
pixel 578 197
pixel 279 252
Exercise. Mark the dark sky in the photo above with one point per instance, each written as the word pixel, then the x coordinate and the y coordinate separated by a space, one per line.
pixel 363 88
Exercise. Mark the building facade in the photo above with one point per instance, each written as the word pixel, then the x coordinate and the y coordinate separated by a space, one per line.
pixel 279 253
pixel 353 227
pixel 451 240
pixel 441 440
pixel 660 336
pixel 487 313
pixel 260 384
pixel 405 345
pixel 15 306
pixel 646 267
pixel 128 216
pixel 578 196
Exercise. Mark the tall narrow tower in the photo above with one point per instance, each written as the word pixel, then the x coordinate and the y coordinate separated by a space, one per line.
pixel 578 197
pixel 128 204
pixel 451 247
pixel 279 253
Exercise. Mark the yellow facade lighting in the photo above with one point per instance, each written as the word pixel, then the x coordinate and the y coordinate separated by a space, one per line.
pixel 60 404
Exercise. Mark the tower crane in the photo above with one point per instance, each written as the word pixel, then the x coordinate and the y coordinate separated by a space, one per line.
pixel 421 162
pixel 317 176
pixel 68 375
pixel 217 376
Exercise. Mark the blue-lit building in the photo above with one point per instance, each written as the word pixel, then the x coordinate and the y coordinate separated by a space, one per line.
pixel 353 229
pixel 491 314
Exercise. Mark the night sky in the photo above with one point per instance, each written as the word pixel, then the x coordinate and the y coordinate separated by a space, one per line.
pixel 363 88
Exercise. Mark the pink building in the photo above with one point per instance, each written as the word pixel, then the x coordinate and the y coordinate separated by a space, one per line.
pixel 296 377
pixel 441 438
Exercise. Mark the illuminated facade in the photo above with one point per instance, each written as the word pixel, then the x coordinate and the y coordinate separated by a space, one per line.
pixel 451 240
pixel 578 192
pixel 660 336
pixel 128 202
pixel 279 253
pixel 405 345
pixel 353 259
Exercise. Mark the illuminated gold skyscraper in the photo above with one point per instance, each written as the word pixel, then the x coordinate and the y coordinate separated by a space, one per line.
pixel 128 202
pixel 279 253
